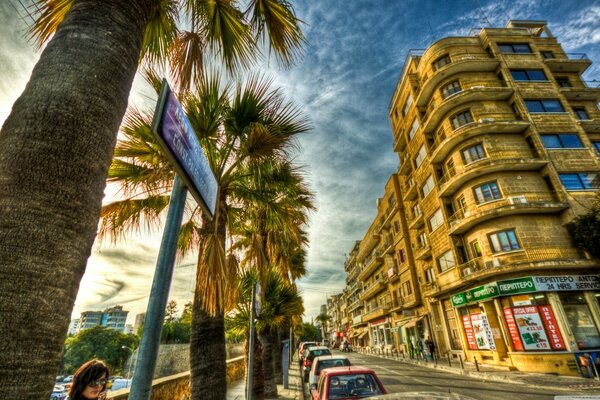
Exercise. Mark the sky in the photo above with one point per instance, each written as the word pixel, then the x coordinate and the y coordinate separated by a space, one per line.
pixel 344 82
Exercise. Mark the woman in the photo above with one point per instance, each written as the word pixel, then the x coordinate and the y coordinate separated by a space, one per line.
pixel 89 382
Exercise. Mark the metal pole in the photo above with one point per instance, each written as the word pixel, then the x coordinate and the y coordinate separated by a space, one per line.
pixel 141 386
pixel 251 347
pixel 461 362
pixel 476 365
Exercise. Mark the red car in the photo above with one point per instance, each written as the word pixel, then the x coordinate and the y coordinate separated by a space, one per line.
pixel 347 383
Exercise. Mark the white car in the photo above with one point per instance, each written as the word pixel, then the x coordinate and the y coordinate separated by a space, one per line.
pixel 118 384
pixel 322 362
pixel 59 393
pixel 68 379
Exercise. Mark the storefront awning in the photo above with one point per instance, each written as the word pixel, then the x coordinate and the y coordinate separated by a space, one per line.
pixel 362 335
pixel 409 323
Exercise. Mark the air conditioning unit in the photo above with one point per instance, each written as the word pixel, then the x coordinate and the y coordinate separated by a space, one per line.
pixel 517 200
pixel 493 263
pixel 467 271
pixel 486 120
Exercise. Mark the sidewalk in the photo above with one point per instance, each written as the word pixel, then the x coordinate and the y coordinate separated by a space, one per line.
pixel 500 374
pixel 236 390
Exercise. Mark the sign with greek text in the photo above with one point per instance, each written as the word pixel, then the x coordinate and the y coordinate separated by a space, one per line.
pixel 556 340
pixel 512 329
pixel 567 282
pixel 177 138
pixel 531 328
pixel 516 286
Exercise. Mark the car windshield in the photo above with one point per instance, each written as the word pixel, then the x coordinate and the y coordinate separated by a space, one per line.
pixel 341 362
pixel 320 352
pixel 354 385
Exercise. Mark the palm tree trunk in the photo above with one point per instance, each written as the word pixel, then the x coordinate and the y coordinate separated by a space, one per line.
pixel 266 338
pixel 208 366
pixel 277 349
pixel 55 150
pixel 258 377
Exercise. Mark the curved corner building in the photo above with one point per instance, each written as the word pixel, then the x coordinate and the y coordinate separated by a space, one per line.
pixel 498 140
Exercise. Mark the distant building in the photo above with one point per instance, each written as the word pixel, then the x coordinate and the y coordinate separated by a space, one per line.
pixel 73 326
pixel 113 318
pixel 139 321
pixel 128 329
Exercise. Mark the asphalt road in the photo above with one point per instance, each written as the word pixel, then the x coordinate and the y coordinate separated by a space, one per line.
pixel 400 377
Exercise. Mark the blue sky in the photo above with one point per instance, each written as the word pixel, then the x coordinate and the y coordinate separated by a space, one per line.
pixel 355 53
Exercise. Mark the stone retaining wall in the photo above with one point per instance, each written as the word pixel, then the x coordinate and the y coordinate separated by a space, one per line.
pixel 177 387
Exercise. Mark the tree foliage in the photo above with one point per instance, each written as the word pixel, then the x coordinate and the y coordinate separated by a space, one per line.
pixel 308 332
pixel 585 232
pixel 109 345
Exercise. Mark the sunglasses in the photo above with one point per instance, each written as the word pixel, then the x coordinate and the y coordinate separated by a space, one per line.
pixel 97 382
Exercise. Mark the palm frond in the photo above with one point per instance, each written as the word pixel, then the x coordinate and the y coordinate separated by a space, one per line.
pixel 187 59
pixel 189 237
pixel 161 31
pixel 52 13
pixel 128 215
pixel 275 21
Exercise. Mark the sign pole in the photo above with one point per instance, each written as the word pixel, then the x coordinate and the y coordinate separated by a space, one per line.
pixel 155 314
pixel 251 347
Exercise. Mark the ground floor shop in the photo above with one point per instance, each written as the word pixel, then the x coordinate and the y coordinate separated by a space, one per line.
pixel 547 324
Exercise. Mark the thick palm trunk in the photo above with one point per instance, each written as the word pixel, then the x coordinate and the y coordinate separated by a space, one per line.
pixel 277 350
pixel 55 150
pixel 266 339
pixel 208 366
pixel 258 377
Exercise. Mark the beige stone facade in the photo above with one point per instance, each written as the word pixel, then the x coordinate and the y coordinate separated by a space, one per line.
pixel 497 138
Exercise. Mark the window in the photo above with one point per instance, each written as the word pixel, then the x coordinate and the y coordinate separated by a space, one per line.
pixel 561 141
pixel 581 113
pixel 487 192
pixel 401 257
pixel 406 289
pixel 528 75
pixel 413 129
pixel 461 203
pixel 581 320
pixel 547 55
pixel 476 249
pixel 461 119
pixel 429 275
pixel 440 62
pixel 416 210
pixel 450 89
pixel 504 241
pixel 436 220
pixel 420 156
pixel 522 48
pixel 544 106
pixel 563 82
pixel 596 147
pixel 422 238
pixel 580 181
pixel 428 186
pixel 473 153
pixel 407 105
pixel 446 261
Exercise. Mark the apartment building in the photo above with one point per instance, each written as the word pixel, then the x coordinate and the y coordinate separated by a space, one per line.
pixel 113 317
pixel 498 140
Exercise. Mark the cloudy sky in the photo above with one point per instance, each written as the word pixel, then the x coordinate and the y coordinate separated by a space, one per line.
pixel 355 53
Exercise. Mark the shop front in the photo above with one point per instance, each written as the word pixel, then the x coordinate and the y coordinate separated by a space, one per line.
pixel 381 335
pixel 411 333
pixel 533 323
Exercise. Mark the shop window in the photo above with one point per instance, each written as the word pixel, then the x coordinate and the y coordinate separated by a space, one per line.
pixel 526 75
pixel 544 106
pixel 561 141
pixel 446 261
pixel 581 113
pixel 579 317
pixel 440 62
pixel 460 119
pixel 580 181
pixel 473 153
pixel 477 329
pixel 487 192
pixel 450 89
pixel 504 241
pixel 514 48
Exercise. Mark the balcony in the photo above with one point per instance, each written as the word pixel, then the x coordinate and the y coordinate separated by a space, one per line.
pixel 358 320
pixel 455 178
pixel 415 220
pixel 574 62
pixel 422 251
pixel 377 312
pixel 475 93
pixel 527 203
pixel 588 91
pixel 590 125
pixel 405 164
pixel 464 63
pixel 356 304
pixel 373 289
pixel 409 189
pixel 444 144
pixel 400 142
pixel 392 274
pixel 370 265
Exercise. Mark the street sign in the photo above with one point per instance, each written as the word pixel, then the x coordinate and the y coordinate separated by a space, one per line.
pixel 177 138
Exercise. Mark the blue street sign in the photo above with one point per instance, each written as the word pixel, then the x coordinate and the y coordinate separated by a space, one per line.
pixel 178 139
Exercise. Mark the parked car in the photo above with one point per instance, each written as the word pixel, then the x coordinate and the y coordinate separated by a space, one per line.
pixel 322 362
pixel 301 348
pixel 120 383
pixel 68 379
pixel 58 393
pixel 422 396
pixel 309 354
pixel 347 383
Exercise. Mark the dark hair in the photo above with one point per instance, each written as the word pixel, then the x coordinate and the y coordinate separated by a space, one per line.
pixel 91 370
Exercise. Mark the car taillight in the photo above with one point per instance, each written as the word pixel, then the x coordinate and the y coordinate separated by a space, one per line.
pixel 307 363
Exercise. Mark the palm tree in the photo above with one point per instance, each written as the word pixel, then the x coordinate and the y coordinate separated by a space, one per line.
pixel 57 144
pixel 323 319
pixel 242 132
pixel 282 304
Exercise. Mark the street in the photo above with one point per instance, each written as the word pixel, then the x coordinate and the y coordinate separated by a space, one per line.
pixel 404 377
